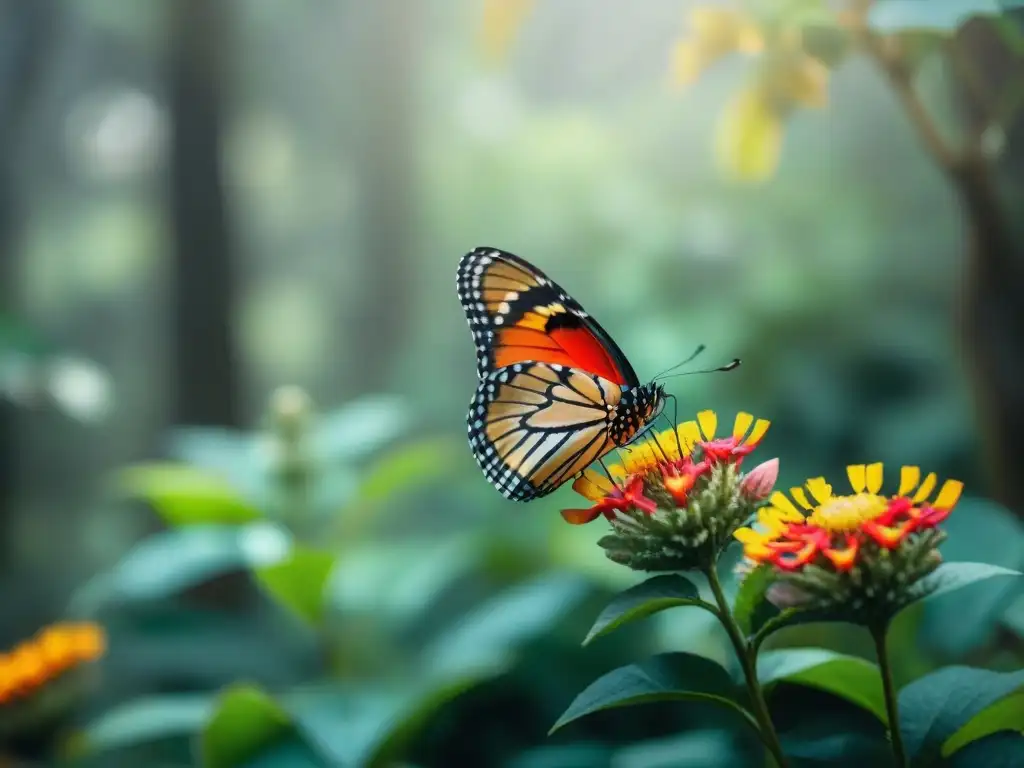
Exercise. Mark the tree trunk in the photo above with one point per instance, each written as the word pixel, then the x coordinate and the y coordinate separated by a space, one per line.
pixel 993 306
pixel 205 359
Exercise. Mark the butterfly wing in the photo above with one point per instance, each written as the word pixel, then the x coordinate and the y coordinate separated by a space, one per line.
pixel 517 314
pixel 534 425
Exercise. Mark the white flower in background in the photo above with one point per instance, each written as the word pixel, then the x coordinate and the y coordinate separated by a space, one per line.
pixel 80 388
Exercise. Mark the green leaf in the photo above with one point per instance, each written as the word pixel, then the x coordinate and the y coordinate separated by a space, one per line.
pixel 1000 750
pixel 694 749
pixel 752 609
pixel 369 727
pixel 649 597
pixel 981 530
pixel 834 740
pixel 298 582
pixel 665 677
pixel 933 708
pixel 245 723
pixel 847 677
pixel 141 721
pixel 1005 715
pixel 171 561
pixel 949 577
pixel 407 467
pixel 183 495
pixel 935 15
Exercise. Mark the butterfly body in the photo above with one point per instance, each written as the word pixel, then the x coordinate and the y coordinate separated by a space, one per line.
pixel 554 392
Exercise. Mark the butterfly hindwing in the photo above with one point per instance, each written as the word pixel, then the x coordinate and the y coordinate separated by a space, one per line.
pixel 534 425
pixel 517 314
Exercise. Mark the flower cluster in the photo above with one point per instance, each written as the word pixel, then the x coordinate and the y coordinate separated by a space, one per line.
pixel 676 498
pixel 54 651
pixel 863 551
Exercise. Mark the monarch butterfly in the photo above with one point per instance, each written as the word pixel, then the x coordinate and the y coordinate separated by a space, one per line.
pixel 555 393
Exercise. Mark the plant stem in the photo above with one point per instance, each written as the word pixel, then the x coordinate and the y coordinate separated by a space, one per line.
pixel 747 655
pixel 878 633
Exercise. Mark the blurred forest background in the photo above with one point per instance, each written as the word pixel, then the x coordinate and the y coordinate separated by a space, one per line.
pixel 204 202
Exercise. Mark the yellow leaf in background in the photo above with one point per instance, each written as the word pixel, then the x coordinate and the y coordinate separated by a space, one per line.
pixel 500 24
pixel 749 138
pixel 792 77
pixel 715 32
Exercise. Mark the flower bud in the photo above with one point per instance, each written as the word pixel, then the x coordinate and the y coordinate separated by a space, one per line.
pixel 760 481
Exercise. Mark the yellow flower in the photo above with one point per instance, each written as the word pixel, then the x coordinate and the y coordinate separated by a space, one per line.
pixel 715 33
pixel 837 531
pixel 748 142
pixel 54 651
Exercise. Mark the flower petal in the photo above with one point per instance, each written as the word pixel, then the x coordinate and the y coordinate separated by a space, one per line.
pixel 707 421
pixel 592 486
pixel 874 477
pixel 909 478
pixel 689 435
pixel 801 498
pixel 843 558
pixel 758 432
pixel 819 489
pixel 749 536
pixel 949 495
pixel 580 516
pixel 926 488
pixel 781 502
pixel 856 474
pixel 741 426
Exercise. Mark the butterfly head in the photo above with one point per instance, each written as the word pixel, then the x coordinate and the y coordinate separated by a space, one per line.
pixel 638 407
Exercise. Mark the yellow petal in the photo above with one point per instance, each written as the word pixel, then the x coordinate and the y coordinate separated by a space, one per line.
pixel 801 499
pixel 592 486
pixel 741 426
pixel 909 478
pixel 708 423
pixel 689 435
pixel 856 474
pixel 748 141
pixel 949 495
pixel 819 489
pixel 749 536
pixel 926 488
pixel 759 431
pixel 874 477
pixel 780 501
pixel 688 62
pixel 500 24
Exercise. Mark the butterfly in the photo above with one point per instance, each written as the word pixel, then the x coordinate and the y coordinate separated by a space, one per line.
pixel 554 392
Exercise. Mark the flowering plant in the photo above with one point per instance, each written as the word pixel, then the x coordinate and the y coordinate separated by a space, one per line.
pixel 678 500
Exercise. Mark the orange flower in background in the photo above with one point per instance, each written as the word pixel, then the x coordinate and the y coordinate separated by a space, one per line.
pixel 54 651
pixel 500 23
pixel 836 532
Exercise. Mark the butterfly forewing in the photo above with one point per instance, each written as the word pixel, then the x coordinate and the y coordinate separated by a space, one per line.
pixel 532 426
pixel 517 314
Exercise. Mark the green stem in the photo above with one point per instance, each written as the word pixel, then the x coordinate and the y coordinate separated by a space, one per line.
pixel 878 633
pixel 747 655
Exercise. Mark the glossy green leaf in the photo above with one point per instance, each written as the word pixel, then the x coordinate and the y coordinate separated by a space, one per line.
pixel 141 721
pixel 950 577
pixel 835 740
pixel 955 624
pixel 933 15
pixel 1000 750
pixel 694 749
pixel 666 677
pixel 752 609
pixel 360 427
pixel 848 677
pixel 933 708
pixel 245 722
pixel 1005 715
pixel 290 752
pixel 646 598
pixel 171 561
pixel 183 495
pixel 298 583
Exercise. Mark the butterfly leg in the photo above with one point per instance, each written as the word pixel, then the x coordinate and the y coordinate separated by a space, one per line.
pixel 674 425
pixel 609 474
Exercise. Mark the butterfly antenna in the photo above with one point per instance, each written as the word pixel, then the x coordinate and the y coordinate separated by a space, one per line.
pixel 700 348
pixel 731 366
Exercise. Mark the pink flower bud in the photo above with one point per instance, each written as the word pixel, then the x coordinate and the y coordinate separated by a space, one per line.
pixel 760 481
